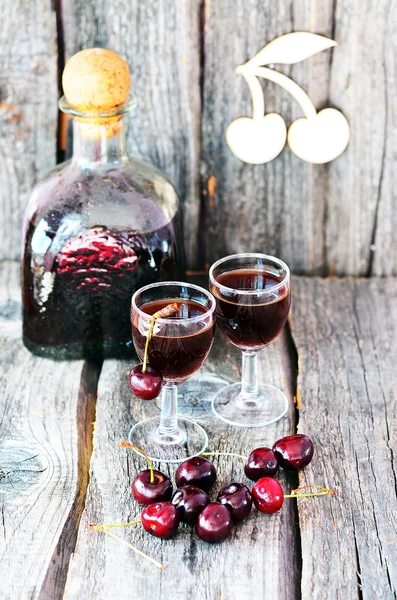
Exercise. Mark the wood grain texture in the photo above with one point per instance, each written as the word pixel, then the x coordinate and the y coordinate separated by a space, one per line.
pixel 160 40
pixel 278 207
pixel 319 218
pixel 46 414
pixel 385 257
pixel 259 561
pixel 361 199
pixel 345 332
pixel 337 218
pixel 28 109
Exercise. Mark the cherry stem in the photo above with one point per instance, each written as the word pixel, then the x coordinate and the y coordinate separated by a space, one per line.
pixel 224 454
pixel 289 86
pixel 148 337
pixel 128 445
pixel 324 492
pixel 163 313
pixel 149 558
pixel 112 525
pixel 257 96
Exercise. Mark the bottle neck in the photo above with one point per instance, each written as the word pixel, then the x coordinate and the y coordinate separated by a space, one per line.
pixel 99 145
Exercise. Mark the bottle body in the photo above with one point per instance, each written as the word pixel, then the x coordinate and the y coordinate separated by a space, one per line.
pixel 93 234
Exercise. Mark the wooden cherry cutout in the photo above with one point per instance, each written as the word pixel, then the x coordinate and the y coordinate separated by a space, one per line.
pixel 257 141
pixel 321 138
pixel 316 138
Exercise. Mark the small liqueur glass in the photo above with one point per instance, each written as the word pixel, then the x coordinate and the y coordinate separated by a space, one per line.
pixel 178 345
pixel 253 299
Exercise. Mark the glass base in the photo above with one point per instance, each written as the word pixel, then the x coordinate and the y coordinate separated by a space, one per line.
pixel 271 405
pixel 190 440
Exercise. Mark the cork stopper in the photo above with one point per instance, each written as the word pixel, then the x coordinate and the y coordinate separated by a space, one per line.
pixel 96 80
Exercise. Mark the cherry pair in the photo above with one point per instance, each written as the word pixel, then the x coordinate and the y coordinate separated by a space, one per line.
pixel 215 522
pixel 293 453
pixel 151 485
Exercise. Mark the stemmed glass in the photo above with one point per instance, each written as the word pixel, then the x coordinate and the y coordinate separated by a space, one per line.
pixel 252 304
pixel 177 347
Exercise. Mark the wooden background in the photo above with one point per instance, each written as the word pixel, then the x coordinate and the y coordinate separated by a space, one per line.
pixel 338 218
pixel 338 357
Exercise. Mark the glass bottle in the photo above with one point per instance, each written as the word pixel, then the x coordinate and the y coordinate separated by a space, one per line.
pixel 96 229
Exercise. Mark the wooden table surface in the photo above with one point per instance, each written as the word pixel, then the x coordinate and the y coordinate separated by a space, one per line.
pixel 60 468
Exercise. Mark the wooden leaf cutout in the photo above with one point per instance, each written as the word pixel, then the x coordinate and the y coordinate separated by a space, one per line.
pixel 291 48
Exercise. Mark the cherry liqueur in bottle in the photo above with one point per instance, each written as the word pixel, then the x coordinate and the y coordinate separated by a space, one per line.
pixel 98 227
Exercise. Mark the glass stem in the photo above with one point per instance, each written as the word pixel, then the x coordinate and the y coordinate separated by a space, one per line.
pixel 249 380
pixel 169 407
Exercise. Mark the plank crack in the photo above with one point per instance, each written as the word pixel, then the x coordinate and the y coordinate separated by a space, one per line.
pixel 356 329
pixel 3 520
pixel 327 270
pixel 372 247
pixel 358 571
pixel 55 579
pixel 202 240
pixel 60 150
pixel 291 368
pixel 388 440
pixel 359 342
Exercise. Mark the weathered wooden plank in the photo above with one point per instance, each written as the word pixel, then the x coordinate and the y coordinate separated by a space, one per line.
pixel 385 259
pixel 161 42
pixel 278 207
pixel 319 218
pixel 259 561
pixel 345 332
pixel 28 109
pixel 46 414
pixel 338 218
pixel 362 184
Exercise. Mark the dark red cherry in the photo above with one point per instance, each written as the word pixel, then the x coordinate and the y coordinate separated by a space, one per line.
pixel 294 452
pixel 145 492
pixel 268 495
pixel 214 523
pixel 189 501
pixel 262 462
pixel 237 498
pixel 147 385
pixel 160 519
pixel 196 471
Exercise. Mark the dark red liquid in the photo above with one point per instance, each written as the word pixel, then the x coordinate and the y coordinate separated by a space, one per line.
pixel 78 275
pixel 246 324
pixel 176 357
